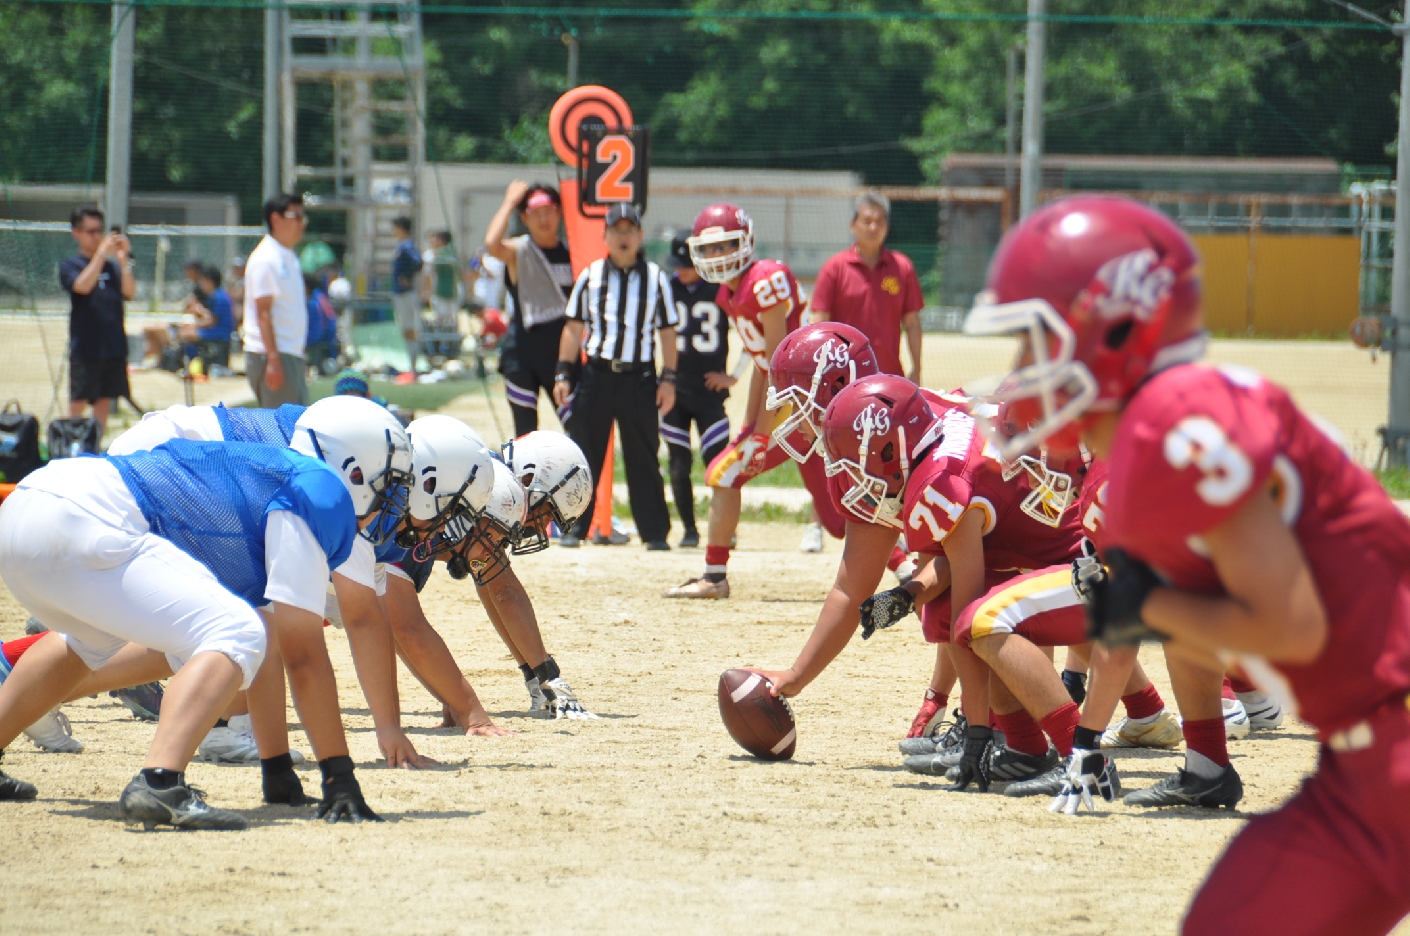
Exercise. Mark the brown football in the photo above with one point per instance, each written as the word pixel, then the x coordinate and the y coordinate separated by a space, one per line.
pixel 762 723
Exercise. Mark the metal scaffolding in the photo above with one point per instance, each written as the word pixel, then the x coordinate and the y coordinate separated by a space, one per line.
pixel 371 62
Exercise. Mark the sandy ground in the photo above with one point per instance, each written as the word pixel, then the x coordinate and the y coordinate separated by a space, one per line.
pixel 648 818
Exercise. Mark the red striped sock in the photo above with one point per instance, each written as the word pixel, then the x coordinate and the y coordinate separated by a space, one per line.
pixel 1143 704
pixel 14 649
pixel 1207 737
pixel 716 558
pixel 1022 733
pixel 898 556
pixel 1060 725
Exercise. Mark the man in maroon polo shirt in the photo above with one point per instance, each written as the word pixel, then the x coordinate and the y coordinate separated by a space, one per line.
pixel 873 289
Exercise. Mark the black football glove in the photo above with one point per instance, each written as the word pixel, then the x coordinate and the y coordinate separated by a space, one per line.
pixel 884 609
pixel 281 783
pixel 974 762
pixel 342 796
pixel 1114 611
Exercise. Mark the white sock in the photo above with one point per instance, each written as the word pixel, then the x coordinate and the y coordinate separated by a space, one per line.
pixel 1201 766
pixel 1148 720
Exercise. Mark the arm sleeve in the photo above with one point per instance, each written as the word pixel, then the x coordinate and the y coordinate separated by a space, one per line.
pixel 912 300
pixel 295 567
pixel 824 287
pixel 261 279
pixel 68 272
pixel 578 298
pixel 361 566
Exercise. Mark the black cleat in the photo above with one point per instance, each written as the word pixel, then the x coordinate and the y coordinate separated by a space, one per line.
pixel 1009 766
pixel 1187 789
pixel 1048 783
pixel 12 789
pixel 181 806
pixel 690 540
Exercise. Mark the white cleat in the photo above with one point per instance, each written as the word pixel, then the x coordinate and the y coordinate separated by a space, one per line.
pixel 812 539
pixel 1264 712
pixel 1236 724
pixel 53 733
pixel 1161 730
pixel 235 744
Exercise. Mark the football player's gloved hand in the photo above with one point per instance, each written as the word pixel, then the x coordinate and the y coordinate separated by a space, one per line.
pixel 538 702
pixel 342 796
pixel 562 703
pixel 974 762
pixel 884 609
pixel 928 710
pixel 1114 613
pixel 1089 774
pixel 1088 574
pixel 282 786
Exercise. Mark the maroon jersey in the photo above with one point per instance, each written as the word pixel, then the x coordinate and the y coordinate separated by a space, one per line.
pixel 1091 505
pixel 960 473
pixel 766 285
pixel 1194 444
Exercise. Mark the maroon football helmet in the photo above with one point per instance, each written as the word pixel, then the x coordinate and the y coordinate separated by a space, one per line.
pixel 874 429
pixel 808 368
pixel 1106 291
pixel 722 223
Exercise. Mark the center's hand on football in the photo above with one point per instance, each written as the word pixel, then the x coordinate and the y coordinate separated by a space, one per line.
pixel 781 682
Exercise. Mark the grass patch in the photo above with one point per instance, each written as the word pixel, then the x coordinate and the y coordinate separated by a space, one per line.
pixel 1396 481
pixel 414 396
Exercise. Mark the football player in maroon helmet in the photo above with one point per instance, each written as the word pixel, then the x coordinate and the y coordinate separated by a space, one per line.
pixel 1237 530
pixel 765 303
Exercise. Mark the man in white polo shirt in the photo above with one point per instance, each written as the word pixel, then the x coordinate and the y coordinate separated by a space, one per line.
pixel 276 311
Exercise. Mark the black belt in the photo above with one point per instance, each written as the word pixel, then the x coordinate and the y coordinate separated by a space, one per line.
pixel 622 367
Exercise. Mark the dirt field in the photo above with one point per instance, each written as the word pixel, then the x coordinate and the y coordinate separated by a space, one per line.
pixel 648 818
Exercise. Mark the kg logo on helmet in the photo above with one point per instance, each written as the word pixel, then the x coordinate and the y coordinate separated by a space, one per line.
pixel 874 420
pixel 1135 283
pixel 833 354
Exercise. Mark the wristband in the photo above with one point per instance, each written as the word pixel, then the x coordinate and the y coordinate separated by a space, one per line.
pixel 668 376
pixel 563 372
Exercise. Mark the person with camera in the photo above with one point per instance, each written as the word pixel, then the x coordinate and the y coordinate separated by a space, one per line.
pixel 98 280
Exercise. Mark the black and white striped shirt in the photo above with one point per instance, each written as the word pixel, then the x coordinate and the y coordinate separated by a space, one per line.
pixel 622 310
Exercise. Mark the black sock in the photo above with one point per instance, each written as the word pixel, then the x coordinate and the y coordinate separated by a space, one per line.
pixel 159 778
pixel 277 764
pixel 547 671
pixel 714 578
pixel 1088 739
pixel 527 670
pixel 1076 685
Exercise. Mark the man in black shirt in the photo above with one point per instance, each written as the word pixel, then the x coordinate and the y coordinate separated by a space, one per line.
pixel 98 279
pixel 702 384
pixel 538 278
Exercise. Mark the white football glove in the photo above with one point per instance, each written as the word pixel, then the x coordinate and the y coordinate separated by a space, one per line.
pixel 1088 573
pixel 562 703
pixel 1088 772
pixel 538 702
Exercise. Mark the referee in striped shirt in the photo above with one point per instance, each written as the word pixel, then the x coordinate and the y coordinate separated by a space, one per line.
pixel 624 304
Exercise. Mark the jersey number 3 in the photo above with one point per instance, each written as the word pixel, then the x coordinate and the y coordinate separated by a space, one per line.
pixel 707 341
pixel 1203 443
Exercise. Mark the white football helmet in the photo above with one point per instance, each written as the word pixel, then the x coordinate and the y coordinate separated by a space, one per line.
pixel 479 541
pixel 452 472
pixel 369 450
pixel 555 474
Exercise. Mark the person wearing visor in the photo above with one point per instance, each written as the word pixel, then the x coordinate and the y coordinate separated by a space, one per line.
pixel 542 479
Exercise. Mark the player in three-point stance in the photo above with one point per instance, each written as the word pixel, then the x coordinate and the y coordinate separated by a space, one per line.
pixel 1236 531
pixel 173 550
pixel 764 302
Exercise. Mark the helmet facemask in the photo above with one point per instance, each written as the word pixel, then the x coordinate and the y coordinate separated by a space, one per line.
pixel 726 266
pixel 531 537
pixel 806 410
pixel 448 505
pixel 476 547
pixel 388 487
pixel 869 498
pixel 1052 490
pixel 1048 389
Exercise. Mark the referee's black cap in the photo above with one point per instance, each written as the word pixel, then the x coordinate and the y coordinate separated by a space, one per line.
pixel 623 211
pixel 679 257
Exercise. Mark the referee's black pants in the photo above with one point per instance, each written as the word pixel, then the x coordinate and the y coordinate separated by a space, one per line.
pixel 627 398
